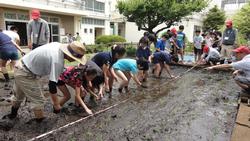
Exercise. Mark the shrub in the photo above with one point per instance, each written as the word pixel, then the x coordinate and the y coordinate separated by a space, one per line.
pixel 107 39
pixel 130 50
pixel 189 47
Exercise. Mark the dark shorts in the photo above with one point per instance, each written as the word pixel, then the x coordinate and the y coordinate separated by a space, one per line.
pixel 214 60
pixel 156 61
pixel 144 65
pixel 197 51
pixel 8 55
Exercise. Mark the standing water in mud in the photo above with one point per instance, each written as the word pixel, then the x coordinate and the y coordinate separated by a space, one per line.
pixel 199 106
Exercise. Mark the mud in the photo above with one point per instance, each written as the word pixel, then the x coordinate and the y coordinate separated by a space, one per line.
pixel 200 105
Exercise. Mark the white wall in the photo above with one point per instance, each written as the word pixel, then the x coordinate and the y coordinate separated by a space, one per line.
pixel 87 38
pixel 107 28
pixel 132 34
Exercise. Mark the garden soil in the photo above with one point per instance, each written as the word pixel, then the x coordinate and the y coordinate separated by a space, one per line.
pixel 201 105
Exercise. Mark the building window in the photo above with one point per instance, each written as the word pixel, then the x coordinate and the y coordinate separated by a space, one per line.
pixel 99 6
pixel 93 21
pixel 10 15
pixel 94 5
pixel 90 30
pixel 16 16
pixel 46 18
pixel 54 20
pixel 85 30
pixel 24 17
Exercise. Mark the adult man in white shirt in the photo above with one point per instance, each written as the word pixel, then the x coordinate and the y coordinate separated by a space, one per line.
pixel 47 60
pixel 242 68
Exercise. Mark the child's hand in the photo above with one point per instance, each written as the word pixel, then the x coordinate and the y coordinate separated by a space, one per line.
pixel 172 76
pixel 116 79
pixel 209 68
pixel 23 53
pixel 143 86
pixel 89 112
pixel 235 73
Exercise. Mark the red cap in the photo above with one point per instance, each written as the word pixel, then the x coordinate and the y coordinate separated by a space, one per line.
pixel 35 14
pixel 205 49
pixel 229 23
pixel 242 49
pixel 173 30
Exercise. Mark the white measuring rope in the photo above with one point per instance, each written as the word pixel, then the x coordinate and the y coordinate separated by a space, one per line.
pixel 99 112
pixel 77 121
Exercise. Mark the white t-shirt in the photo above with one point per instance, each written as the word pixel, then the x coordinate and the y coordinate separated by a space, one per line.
pixel 46 60
pixel 13 35
pixel 208 41
pixel 213 53
pixel 243 65
pixel 198 41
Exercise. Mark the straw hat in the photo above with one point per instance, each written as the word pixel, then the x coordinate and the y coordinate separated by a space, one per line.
pixel 76 51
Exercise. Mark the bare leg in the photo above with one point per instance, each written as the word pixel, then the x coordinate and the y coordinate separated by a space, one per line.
pixel 4 70
pixel 110 81
pixel 121 75
pixel 243 86
pixel 157 69
pixel 128 78
pixel 141 75
pixel 66 94
pixel 145 75
pixel 181 53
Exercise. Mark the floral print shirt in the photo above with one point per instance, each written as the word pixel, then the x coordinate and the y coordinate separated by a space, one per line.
pixel 72 76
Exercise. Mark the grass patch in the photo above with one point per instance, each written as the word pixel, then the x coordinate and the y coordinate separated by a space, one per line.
pixel 75 63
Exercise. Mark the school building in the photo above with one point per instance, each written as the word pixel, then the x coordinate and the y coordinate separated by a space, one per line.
pixel 129 30
pixel 232 6
pixel 88 17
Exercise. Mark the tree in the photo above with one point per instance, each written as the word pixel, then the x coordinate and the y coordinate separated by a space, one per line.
pixel 148 14
pixel 241 21
pixel 215 19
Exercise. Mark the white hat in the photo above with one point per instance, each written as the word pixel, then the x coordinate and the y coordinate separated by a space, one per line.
pixel 75 50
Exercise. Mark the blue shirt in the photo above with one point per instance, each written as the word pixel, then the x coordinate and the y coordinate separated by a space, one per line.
pixel 160 44
pixel 180 39
pixel 126 65
pixel 103 58
pixel 143 53
pixel 6 43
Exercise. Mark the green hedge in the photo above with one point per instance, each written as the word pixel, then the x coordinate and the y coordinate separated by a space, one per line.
pixel 97 48
pixel 107 39
pixel 131 51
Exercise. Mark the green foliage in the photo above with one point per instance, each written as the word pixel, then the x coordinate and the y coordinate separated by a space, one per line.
pixel 148 14
pixel 97 48
pixel 130 51
pixel 107 39
pixel 189 47
pixel 215 19
pixel 241 22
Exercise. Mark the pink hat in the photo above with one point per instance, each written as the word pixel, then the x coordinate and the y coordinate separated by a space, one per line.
pixel 242 49
pixel 35 14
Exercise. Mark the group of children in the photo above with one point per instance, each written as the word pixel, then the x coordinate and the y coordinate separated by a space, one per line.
pixel 206 46
pixel 100 72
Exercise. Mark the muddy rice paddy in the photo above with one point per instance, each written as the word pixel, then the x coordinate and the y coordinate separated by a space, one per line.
pixel 200 106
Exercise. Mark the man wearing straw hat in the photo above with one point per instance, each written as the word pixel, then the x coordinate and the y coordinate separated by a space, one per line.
pixel 47 60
